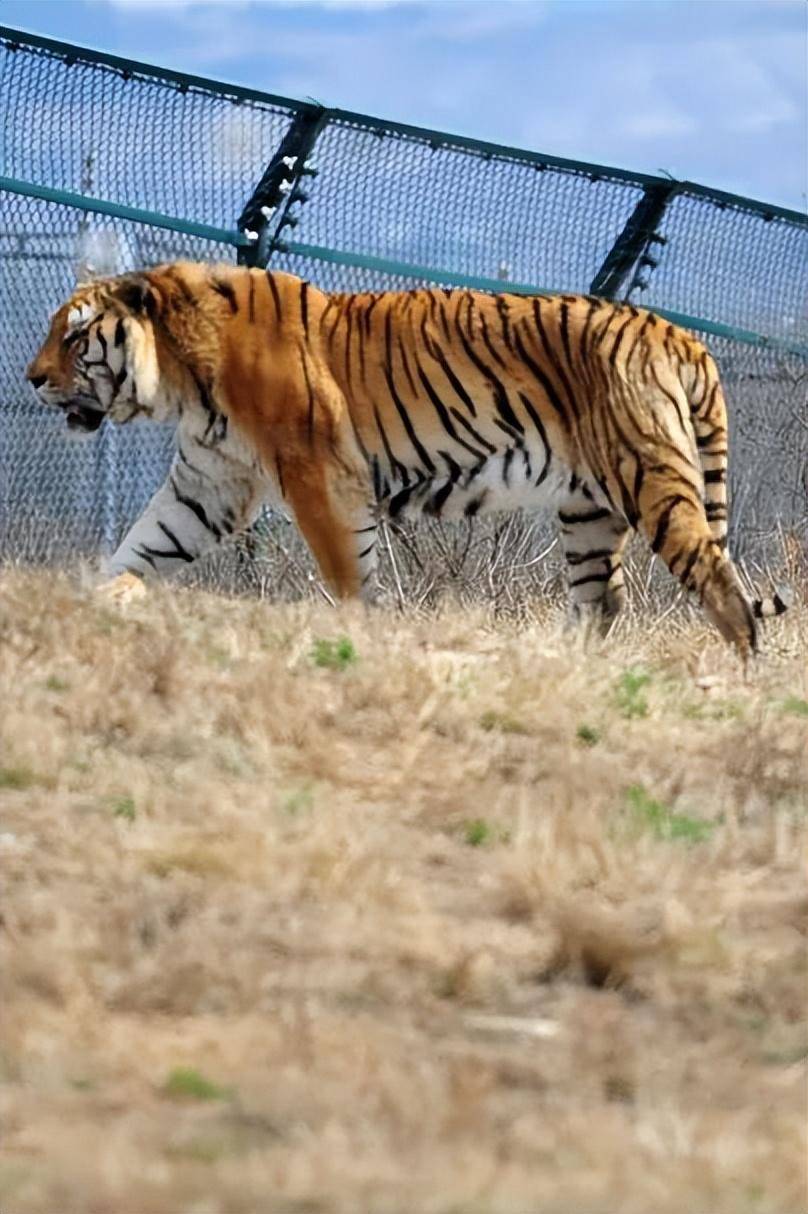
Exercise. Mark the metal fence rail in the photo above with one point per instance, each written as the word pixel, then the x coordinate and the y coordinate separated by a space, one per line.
pixel 119 161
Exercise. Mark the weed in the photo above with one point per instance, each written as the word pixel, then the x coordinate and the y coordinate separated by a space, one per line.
pixel 16 777
pixel 54 683
pixel 502 722
pixel 477 832
pixel 794 706
pixel 299 800
pixel 186 1083
pixel 630 699
pixel 333 655
pixel 124 807
pixel 587 735
pixel 663 822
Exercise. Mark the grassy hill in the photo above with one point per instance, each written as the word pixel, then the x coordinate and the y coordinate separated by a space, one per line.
pixel 407 913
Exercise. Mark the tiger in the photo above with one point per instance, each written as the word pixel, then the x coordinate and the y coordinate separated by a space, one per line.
pixel 346 408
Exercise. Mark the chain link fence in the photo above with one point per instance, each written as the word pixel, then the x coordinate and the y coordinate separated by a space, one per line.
pixel 107 160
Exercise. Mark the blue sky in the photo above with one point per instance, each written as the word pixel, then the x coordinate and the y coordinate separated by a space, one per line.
pixel 711 90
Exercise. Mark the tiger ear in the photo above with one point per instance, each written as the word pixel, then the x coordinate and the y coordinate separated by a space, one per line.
pixel 137 297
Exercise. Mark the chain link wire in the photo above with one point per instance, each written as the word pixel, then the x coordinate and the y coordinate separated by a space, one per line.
pixel 195 151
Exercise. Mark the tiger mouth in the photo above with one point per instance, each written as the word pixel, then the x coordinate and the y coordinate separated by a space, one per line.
pixel 84 417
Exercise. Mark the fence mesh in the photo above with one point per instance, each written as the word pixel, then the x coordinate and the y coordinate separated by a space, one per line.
pixel 194 150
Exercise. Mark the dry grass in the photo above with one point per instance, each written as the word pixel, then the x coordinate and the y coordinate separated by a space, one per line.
pixel 459 916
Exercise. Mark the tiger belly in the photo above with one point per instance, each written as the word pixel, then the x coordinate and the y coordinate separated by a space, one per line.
pixel 513 479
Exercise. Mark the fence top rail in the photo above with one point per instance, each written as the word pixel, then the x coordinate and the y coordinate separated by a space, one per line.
pixel 71 53
pixel 366 261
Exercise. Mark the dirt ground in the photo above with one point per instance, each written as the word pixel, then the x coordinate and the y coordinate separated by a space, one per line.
pixel 324 911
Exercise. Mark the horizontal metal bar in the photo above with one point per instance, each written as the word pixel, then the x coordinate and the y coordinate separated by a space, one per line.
pixel 68 51
pixel 102 206
pixel 133 67
pixel 452 278
pixel 366 261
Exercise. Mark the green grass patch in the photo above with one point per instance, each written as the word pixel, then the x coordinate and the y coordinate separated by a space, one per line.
pixel 336 654
pixel 587 735
pixel 630 693
pixel 794 706
pixel 16 777
pixel 54 683
pixel 298 801
pixel 124 807
pixel 477 832
pixel 501 722
pixel 186 1083
pixel 665 823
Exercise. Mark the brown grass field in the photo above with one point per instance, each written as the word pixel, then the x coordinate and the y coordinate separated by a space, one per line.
pixel 324 911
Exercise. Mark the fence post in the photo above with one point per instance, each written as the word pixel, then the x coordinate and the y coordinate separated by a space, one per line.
pixel 267 211
pixel 632 245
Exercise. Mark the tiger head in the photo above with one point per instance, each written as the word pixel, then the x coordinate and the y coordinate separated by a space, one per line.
pixel 103 355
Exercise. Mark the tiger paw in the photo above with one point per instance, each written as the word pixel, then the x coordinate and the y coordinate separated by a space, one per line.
pixel 123 589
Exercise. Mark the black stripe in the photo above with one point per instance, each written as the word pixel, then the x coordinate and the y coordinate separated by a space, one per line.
pixel 594 554
pixel 251 305
pixel 369 311
pixel 304 307
pixel 145 556
pixel 487 339
pixel 348 314
pixel 506 464
pixel 405 362
pixel 684 574
pixel 590 577
pixel 715 476
pixel 641 333
pixel 182 553
pixel 588 516
pixel 417 445
pixel 551 358
pixel 617 341
pixel 279 470
pixel 475 434
pixel 309 392
pixel 366 551
pixel 195 508
pixel 273 286
pixel 538 372
pixel 400 500
pixel 564 328
pixel 505 321
pixel 440 358
pixel 444 322
pixel 500 395
pixel 443 413
pixel 663 522
pixel 226 291
pixel 120 332
pixel 594 306
pixel 397 469
pixel 474 505
pixel 436 503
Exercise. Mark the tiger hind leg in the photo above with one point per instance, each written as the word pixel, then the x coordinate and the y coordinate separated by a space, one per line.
pixel 673 518
pixel 711 440
pixel 593 538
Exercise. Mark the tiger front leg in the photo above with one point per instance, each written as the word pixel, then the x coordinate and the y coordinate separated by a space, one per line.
pixel 206 497
pixel 336 514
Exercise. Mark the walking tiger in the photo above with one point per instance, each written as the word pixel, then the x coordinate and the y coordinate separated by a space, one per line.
pixel 444 402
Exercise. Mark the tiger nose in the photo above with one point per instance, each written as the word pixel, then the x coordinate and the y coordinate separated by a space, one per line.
pixel 36 380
